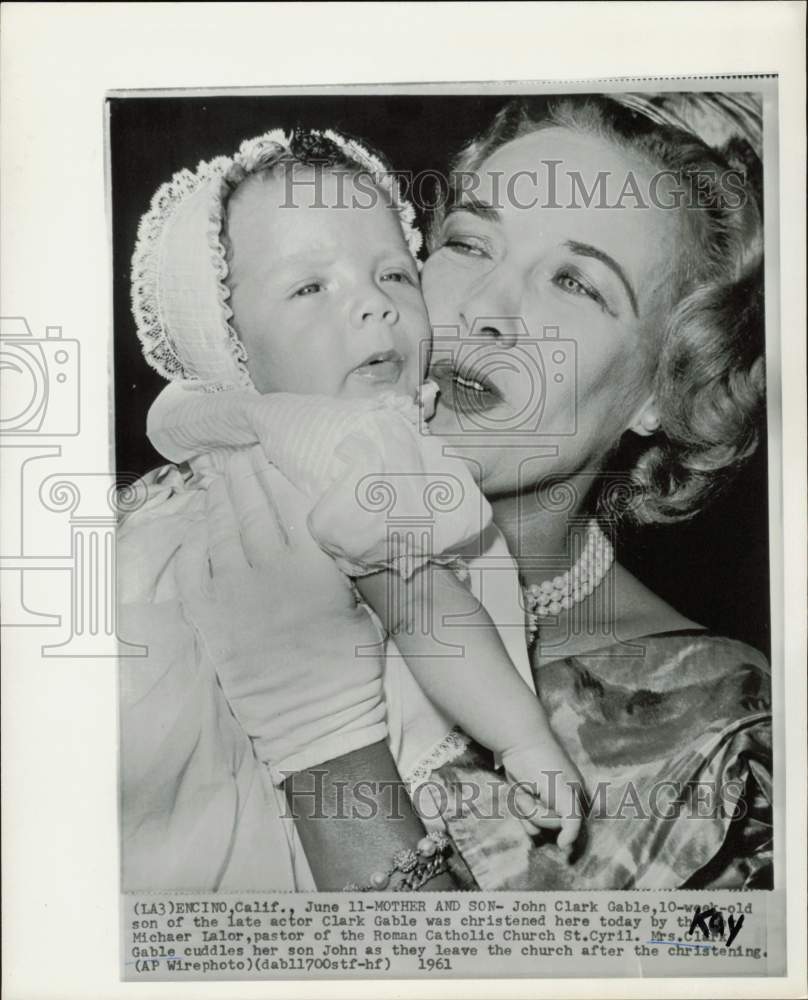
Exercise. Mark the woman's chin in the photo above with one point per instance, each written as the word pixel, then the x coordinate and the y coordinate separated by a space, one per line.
pixel 445 420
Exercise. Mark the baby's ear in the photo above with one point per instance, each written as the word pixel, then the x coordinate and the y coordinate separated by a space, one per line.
pixel 646 419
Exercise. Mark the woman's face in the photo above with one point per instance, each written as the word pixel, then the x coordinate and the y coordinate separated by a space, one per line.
pixel 548 314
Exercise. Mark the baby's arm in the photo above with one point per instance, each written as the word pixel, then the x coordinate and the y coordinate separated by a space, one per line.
pixel 480 688
pixel 325 446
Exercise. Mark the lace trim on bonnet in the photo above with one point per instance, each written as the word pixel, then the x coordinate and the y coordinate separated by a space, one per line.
pixel 208 188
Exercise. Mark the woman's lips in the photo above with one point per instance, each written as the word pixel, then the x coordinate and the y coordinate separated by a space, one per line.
pixel 384 368
pixel 463 391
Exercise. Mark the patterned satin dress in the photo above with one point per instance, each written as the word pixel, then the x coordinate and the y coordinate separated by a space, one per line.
pixel 672 736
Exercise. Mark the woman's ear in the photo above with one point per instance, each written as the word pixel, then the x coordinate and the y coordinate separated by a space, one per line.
pixel 646 420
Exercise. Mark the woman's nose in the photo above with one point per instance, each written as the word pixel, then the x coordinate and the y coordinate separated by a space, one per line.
pixel 488 312
pixel 504 331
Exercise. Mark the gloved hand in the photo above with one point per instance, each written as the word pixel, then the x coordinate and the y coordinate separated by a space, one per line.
pixel 299 661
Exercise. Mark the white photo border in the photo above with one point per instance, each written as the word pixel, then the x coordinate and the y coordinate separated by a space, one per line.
pixel 59 62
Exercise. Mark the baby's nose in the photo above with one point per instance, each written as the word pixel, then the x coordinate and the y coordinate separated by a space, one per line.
pixel 385 312
pixel 373 305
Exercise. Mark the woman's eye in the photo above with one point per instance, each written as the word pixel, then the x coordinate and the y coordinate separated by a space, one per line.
pixel 569 282
pixel 311 289
pixel 464 246
pixel 402 277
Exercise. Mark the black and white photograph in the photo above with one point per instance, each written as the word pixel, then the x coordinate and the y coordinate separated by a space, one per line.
pixel 436 570
pixel 442 421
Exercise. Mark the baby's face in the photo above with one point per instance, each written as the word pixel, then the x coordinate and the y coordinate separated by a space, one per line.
pixel 326 299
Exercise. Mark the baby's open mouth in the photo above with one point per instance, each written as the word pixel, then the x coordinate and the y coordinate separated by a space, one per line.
pixel 382 368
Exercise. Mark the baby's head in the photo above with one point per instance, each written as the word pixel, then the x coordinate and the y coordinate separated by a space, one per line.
pixel 306 283
pixel 325 293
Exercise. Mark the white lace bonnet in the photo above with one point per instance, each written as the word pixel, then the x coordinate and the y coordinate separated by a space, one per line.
pixel 179 267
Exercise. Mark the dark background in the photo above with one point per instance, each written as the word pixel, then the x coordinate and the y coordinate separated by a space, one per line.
pixel 714 568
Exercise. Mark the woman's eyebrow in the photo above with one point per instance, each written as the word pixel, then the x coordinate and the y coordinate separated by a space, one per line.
pixel 586 250
pixel 468 203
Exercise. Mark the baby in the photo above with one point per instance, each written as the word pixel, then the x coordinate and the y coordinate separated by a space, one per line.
pixel 319 297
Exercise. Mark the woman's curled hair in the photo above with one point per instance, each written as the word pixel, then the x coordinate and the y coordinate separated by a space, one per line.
pixel 709 387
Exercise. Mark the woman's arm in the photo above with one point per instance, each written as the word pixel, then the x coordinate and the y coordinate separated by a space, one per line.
pixel 352 815
pixel 279 624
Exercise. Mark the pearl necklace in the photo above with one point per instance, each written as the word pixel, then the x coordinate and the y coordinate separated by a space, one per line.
pixel 551 597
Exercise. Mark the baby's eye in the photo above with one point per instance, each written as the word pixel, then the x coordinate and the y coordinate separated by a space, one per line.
pixel 311 289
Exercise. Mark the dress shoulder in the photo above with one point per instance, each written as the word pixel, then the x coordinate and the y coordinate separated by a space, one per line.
pixel 653 696
pixel 672 736
pixel 664 661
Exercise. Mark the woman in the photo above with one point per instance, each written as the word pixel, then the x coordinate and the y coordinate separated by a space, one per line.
pixel 662 305
pixel 675 340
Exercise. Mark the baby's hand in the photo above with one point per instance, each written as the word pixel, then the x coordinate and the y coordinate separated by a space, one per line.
pixel 545 772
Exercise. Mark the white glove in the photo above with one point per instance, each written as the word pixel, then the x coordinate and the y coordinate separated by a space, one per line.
pixel 298 660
